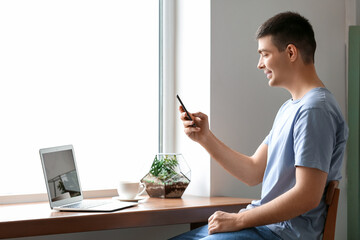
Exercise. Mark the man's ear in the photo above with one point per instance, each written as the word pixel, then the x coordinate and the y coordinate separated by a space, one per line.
pixel 292 52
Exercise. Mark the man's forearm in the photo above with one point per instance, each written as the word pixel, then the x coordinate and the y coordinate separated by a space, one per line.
pixel 283 208
pixel 304 196
pixel 247 169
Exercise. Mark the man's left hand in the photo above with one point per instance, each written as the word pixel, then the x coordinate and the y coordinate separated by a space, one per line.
pixel 224 222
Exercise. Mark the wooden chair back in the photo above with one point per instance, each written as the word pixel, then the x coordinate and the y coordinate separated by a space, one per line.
pixel 332 200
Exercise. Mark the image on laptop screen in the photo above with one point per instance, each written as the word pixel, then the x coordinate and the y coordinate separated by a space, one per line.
pixel 61 175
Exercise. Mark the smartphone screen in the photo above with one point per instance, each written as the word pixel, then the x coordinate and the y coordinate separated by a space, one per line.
pixel 187 113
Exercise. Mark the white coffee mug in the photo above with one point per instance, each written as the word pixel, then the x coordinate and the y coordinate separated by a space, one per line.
pixel 130 190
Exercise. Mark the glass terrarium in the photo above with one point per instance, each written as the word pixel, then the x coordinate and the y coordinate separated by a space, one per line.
pixel 169 176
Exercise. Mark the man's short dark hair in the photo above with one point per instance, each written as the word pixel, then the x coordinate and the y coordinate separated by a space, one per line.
pixel 290 28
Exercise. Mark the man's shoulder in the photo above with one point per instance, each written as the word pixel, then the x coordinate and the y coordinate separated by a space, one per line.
pixel 319 98
pixel 322 101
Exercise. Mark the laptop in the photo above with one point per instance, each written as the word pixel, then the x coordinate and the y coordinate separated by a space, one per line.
pixel 63 185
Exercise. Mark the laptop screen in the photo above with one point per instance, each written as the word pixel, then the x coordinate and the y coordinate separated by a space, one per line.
pixel 60 174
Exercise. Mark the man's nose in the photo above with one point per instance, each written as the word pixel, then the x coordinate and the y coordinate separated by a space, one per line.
pixel 260 64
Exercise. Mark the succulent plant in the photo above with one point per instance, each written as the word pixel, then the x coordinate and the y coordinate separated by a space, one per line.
pixel 164 167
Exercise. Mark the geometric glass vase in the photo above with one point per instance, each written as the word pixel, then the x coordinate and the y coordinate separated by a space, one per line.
pixel 168 177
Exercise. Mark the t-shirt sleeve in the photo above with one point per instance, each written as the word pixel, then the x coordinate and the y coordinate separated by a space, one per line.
pixel 266 140
pixel 314 138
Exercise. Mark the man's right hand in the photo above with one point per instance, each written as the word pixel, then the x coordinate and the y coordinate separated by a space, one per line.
pixel 198 133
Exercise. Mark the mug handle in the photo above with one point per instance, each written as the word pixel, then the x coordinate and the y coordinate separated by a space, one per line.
pixel 143 186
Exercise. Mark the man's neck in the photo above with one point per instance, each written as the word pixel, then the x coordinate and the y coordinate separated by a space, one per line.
pixel 305 80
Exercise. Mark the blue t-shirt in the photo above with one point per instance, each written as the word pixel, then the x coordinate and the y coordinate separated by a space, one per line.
pixel 309 132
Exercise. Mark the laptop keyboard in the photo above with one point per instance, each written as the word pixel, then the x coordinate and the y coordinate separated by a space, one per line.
pixel 87 204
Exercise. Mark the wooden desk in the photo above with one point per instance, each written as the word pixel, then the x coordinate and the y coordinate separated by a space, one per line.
pixel 32 219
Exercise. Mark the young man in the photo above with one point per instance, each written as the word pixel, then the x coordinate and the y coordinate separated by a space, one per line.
pixel 301 154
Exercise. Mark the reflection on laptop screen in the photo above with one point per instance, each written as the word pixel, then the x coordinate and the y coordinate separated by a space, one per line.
pixel 61 175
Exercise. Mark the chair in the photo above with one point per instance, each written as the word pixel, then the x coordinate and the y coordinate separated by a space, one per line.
pixel 332 200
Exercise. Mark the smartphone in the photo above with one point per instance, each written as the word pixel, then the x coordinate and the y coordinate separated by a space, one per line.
pixel 187 113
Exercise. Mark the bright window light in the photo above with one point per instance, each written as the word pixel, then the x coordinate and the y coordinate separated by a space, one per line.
pixel 81 72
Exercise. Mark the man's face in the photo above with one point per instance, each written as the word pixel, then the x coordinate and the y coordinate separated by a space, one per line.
pixel 274 63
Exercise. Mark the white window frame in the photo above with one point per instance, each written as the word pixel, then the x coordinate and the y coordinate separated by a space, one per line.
pixel 167 94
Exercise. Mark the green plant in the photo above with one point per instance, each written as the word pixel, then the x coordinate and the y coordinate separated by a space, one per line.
pixel 164 167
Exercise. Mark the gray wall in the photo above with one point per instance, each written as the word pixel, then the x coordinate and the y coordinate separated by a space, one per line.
pixel 357 7
pixel 243 106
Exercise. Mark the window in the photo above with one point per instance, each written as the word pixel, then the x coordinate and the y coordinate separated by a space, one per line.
pixel 78 72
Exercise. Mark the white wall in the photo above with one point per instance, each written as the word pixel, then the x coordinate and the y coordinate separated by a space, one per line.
pixel 242 105
pixel 193 84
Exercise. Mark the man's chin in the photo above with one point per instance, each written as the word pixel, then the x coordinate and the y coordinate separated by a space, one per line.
pixel 271 83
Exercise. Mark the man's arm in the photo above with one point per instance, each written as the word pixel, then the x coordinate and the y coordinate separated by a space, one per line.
pixel 304 196
pixel 248 169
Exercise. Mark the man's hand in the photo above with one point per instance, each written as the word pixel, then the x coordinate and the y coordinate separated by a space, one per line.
pixel 201 131
pixel 224 222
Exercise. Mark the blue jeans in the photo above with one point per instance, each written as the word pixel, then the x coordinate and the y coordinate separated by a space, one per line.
pixel 255 233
